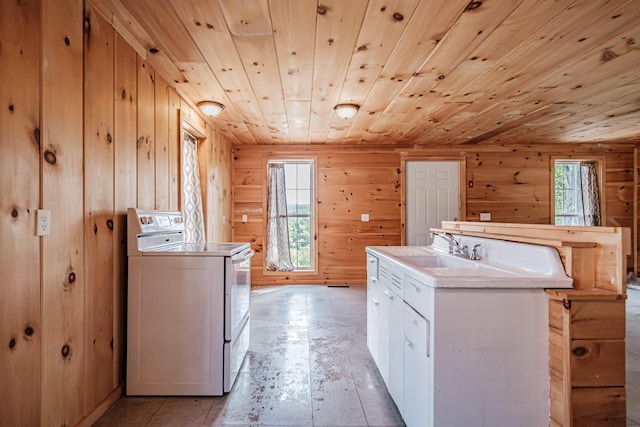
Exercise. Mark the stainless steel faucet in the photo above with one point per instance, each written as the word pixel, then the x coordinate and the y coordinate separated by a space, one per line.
pixel 454 245
pixel 456 249
pixel 474 253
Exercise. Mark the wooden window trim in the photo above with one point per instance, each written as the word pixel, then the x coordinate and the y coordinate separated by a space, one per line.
pixel 314 200
pixel 600 169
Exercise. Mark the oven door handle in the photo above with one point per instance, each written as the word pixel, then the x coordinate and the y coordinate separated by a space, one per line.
pixel 242 256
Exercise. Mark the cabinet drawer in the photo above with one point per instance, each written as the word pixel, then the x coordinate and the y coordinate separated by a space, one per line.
pixel 418 295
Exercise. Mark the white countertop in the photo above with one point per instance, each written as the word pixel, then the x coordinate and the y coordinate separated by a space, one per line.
pixel 502 265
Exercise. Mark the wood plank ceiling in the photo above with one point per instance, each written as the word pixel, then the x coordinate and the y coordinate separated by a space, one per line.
pixel 425 72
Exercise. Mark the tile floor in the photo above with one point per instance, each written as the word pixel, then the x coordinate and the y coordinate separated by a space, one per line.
pixel 308 365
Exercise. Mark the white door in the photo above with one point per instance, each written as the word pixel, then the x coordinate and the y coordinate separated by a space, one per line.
pixel 432 196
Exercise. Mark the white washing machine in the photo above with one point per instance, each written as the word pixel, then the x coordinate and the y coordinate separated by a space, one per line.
pixel 188 309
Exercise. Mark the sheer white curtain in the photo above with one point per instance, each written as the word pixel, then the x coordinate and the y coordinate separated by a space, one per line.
pixel 590 193
pixel 278 257
pixel 191 193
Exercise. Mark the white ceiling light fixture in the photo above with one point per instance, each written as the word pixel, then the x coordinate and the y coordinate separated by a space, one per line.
pixel 346 111
pixel 211 108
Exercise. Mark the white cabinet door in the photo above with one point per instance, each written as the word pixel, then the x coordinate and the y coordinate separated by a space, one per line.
pixel 373 307
pixel 386 297
pixel 417 383
pixel 373 319
pixel 396 351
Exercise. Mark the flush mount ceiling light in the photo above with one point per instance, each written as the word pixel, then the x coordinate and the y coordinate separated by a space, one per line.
pixel 211 108
pixel 346 111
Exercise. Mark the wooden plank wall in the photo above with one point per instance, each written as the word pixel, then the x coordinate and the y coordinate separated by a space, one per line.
pixel 20 328
pixel 217 181
pixel 350 182
pixel 513 184
pixel 86 130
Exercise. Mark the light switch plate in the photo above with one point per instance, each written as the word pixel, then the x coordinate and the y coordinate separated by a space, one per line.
pixel 244 218
pixel 364 217
pixel 485 216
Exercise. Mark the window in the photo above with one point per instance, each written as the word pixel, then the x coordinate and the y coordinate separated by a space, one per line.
pixel 290 244
pixel 577 192
pixel 568 194
pixel 298 179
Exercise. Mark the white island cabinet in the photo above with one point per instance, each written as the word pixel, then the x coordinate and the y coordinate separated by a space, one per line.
pixel 467 342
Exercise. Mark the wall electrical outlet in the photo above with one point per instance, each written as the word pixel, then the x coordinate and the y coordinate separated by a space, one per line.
pixel 485 216
pixel 43 222
pixel 244 218
pixel 364 217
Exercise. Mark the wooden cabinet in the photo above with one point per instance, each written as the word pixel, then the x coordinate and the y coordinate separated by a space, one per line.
pixel 587 358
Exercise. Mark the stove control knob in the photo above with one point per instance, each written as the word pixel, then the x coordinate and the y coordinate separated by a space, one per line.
pixel 143 219
pixel 150 220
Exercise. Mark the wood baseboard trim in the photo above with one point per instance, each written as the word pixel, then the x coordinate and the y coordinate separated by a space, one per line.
pixel 102 408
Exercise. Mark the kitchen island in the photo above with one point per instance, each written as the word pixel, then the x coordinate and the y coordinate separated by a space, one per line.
pixel 462 341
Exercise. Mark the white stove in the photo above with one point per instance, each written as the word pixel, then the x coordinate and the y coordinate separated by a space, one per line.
pixel 188 309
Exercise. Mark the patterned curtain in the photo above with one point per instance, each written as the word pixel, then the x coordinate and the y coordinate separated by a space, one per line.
pixel 590 194
pixel 191 193
pixel 278 255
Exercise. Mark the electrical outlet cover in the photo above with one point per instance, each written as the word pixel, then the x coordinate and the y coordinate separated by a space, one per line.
pixel 43 222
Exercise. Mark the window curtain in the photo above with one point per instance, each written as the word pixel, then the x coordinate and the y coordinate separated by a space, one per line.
pixel 590 194
pixel 278 257
pixel 191 193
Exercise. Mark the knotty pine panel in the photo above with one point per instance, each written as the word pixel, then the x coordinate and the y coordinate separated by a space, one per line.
pixel 597 363
pixel 251 176
pixel 373 226
pixel 20 332
pixel 383 176
pixel 619 174
pixel 252 209
pixel 146 136
pixel 125 184
pixel 175 130
pixel 351 211
pixel 598 407
pixel 494 192
pixel 332 53
pixel 218 156
pixel 357 193
pixel 510 211
pixel 161 143
pixel 248 193
pixel 99 208
pixel 63 279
